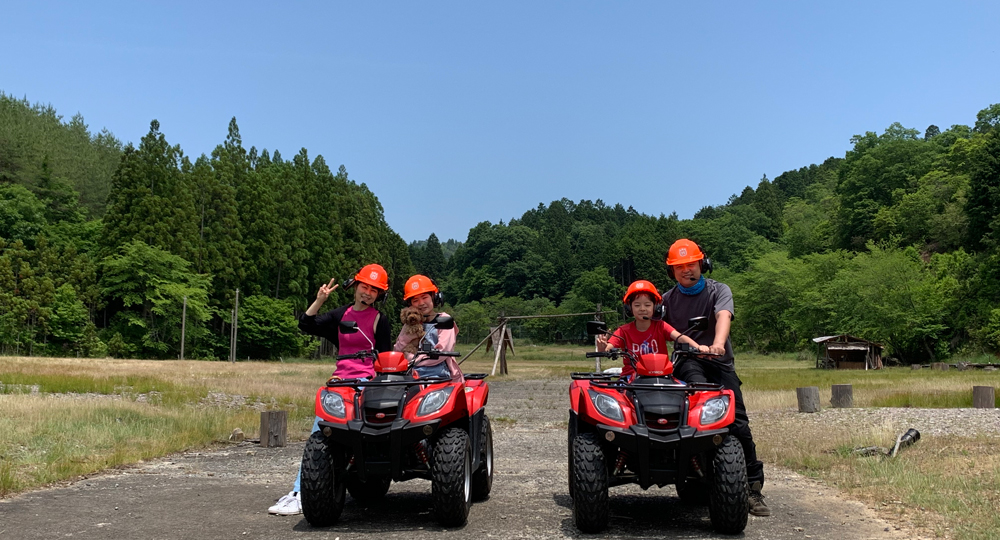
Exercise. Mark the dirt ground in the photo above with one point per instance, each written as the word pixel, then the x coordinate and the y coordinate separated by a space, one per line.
pixel 225 494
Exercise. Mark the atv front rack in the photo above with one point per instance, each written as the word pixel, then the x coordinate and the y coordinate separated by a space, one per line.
pixel 687 387
pixel 410 382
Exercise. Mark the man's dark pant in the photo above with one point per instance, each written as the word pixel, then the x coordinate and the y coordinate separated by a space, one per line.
pixel 691 370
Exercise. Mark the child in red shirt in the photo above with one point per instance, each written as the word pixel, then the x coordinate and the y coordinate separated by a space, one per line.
pixel 647 334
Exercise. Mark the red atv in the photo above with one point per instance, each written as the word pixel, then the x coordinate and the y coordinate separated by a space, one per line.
pixel 653 430
pixel 404 423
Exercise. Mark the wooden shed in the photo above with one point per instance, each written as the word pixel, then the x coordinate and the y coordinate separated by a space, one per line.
pixel 848 352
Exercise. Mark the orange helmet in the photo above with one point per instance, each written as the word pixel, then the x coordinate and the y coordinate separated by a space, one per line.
pixel 373 275
pixel 642 286
pixel 420 284
pixel 684 251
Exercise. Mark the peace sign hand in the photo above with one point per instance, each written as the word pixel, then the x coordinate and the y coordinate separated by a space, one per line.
pixel 325 290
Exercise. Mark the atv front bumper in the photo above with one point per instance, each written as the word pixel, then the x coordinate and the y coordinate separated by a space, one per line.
pixel 658 457
pixel 378 449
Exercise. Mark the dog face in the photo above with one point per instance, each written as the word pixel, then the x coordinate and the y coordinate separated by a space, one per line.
pixel 410 317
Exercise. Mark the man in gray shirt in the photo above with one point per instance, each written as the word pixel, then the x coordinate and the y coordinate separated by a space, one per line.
pixel 696 296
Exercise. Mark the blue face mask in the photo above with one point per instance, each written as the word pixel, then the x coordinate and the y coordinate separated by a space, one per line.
pixel 694 289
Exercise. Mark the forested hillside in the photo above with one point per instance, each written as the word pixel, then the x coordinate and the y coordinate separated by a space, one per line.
pixel 896 241
pixel 100 242
pixel 109 277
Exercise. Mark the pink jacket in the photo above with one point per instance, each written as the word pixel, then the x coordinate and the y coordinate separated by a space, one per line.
pixel 446 342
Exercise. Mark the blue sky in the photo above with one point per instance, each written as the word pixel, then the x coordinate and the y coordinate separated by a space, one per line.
pixel 459 112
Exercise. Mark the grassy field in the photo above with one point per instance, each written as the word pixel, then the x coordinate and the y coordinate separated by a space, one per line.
pixel 62 418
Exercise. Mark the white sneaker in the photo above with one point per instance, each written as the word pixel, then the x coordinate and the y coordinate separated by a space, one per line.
pixel 289 505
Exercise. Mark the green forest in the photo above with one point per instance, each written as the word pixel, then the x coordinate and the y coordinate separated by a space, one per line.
pixel 101 241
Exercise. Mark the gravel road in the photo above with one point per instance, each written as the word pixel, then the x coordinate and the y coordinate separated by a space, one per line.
pixel 225 494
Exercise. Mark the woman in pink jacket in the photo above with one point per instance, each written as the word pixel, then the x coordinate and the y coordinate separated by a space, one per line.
pixel 423 295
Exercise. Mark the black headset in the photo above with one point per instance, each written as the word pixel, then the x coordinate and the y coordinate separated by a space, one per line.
pixel 706 264
pixel 437 297
pixel 657 311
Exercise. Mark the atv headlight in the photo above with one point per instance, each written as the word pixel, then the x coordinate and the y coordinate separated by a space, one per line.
pixel 333 404
pixel 607 406
pixel 433 401
pixel 714 409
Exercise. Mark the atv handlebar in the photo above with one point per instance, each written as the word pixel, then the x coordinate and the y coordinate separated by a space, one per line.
pixel 367 353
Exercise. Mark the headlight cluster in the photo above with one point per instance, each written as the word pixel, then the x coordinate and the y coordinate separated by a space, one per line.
pixel 607 406
pixel 333 404
pixel 714 409
pixel 433 401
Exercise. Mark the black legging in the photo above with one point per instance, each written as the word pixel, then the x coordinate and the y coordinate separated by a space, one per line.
pixel 692 370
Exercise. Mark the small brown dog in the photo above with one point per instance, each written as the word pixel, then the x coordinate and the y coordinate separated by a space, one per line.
pixel 413 325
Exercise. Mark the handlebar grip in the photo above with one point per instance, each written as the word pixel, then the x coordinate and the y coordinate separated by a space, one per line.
pixel 453 354
pixel 596 354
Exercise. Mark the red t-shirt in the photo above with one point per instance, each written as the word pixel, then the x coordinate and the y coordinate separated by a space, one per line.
pixel 653 340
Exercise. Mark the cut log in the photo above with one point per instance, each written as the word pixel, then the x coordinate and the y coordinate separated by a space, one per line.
pixel 842 396
pixel 983 397
pixel 940 365
pixel 808 399
pixel 273 428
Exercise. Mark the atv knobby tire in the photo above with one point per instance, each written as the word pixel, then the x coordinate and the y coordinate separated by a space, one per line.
pixel 571 432
pixel 590 484
pixel 451 477
pixel 482 479
pixel 368 491
pixel 322 484
pixel 728 494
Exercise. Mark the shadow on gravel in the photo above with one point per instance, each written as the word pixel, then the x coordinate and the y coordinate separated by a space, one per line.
pixel 648 515
pixel 397 512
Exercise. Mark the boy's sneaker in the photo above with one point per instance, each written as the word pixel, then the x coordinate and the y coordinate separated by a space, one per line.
pixel 757 505
pixel 289 505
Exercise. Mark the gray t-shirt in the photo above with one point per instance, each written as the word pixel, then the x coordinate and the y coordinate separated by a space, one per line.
pixel 679 307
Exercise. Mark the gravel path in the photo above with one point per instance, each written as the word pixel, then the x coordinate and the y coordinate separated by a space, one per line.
pixel 225 494
pixel 936 422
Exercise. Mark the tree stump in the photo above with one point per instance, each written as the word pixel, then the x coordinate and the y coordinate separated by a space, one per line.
pixel 842 396
pixel 273 428
pixel 808 399
pixel 940 366
pixel 916 366
pixel 983 397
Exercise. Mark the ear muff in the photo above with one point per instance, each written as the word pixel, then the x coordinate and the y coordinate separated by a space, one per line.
pixel 347 284
pixel 628 310
pixel 437 297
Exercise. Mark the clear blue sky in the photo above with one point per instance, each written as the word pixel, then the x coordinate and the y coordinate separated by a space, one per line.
pixel 459 112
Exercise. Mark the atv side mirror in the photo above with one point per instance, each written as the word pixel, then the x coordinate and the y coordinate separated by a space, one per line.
pixel 444 322
pixel 348 327
pixel 596 327
pixel 697 323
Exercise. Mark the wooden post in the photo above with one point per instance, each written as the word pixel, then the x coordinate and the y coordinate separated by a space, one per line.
pixel 808 399
pixel 498 346
pixel 915 366
pixel 940 366
pixel 842 396
pixel 184 314
pixel 273 428
pixel 983 397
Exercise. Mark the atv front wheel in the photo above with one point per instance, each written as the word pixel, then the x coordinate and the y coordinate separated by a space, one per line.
pixel 322 482
pixel 368 491
pixel 451 477
pixel 590 484
pixel 482 480
pixel 571 432
pixel 728 504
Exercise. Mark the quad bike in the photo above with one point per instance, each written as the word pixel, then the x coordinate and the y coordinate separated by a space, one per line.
pixel 654 430
pixel 395 427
